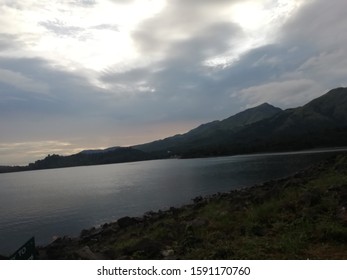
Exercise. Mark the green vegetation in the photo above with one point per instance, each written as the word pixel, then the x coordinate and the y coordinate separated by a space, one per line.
pixel 300 217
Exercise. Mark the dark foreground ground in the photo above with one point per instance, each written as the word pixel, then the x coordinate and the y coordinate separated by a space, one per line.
pixel 299 217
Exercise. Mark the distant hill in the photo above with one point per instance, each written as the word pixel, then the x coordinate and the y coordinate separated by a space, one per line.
pixel 318 124
pixel 88 157
pixel 212 132
pixel 107 156
pixel 99 151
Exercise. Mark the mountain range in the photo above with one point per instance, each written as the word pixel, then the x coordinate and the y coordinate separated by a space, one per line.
pixel 318 124
pixel 265 128
pixel 210 134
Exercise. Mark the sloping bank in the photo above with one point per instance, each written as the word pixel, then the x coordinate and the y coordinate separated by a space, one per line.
pixel 299 217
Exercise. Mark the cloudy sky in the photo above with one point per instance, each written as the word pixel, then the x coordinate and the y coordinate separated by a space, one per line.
pixel 81 74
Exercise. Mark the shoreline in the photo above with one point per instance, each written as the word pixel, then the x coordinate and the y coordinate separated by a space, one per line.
pixel 254 223
pixel 4 169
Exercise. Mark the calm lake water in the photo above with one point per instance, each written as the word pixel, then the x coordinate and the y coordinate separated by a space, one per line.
pixel 57 202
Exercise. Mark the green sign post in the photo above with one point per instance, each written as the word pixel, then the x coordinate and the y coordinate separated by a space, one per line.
pixel 26 252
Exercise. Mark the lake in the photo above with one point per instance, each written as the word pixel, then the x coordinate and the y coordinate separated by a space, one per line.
pixel 58 202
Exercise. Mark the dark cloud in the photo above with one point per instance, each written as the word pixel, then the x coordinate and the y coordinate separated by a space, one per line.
pixel 288 73
pixel 178 21
pixel 7 41
pixel 319 23
pixel 179 85
pixel 63 92
pixel 214 39
pixel 127 77
pixel 307 60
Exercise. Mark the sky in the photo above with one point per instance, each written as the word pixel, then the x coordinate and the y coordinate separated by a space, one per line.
pixel 89 74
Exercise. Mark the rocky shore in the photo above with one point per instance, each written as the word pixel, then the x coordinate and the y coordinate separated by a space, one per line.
pixel 303 216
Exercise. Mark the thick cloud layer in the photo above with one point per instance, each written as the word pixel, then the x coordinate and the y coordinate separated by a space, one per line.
pixel 89 74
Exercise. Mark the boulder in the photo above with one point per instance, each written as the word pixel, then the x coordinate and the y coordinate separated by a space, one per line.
pixel 126 222
pixel 86 254
pixel 167 253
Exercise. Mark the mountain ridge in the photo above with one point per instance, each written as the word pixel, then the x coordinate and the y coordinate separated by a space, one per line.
pixel 212 129
pixel 320 123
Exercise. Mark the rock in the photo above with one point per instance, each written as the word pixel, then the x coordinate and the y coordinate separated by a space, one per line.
pixel 105 226
pixel 139 220
pixel 151 216
pixel 84 233
pixel 167 253
pixel 61 242
pixel 91 233
pixel 86 254
pixel 197 199
pixel 150 213
pixel 108 231
pixel 57 249
pixel 126 222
